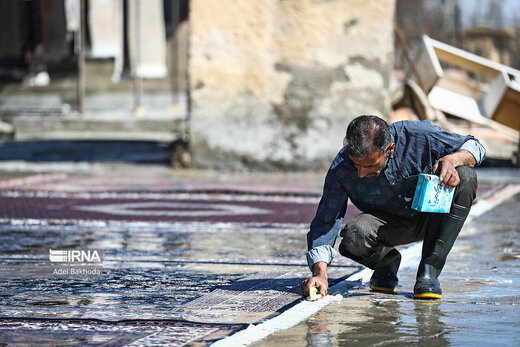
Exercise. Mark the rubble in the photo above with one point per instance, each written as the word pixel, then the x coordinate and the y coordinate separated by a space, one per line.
pixel 464 93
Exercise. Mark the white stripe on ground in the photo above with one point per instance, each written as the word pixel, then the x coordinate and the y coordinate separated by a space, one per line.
pixel 482 206
pixel 283 321
pixel 301 311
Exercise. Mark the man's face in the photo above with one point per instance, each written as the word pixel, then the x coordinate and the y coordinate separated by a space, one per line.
pixel 373 163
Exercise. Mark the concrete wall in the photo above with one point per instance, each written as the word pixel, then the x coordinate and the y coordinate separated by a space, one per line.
pixel 274 83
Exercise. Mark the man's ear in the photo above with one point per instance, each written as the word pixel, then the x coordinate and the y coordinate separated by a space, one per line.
pixel 390 149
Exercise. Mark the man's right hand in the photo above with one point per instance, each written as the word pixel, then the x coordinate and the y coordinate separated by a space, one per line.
pixel 319 279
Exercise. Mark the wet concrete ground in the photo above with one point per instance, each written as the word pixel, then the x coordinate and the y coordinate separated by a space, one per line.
pixel 480 306
pixel 199 278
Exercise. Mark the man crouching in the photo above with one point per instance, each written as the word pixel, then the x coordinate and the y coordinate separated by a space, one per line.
pixel 377 169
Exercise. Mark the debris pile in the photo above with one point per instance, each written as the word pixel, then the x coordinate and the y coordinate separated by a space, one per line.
pixel 463 92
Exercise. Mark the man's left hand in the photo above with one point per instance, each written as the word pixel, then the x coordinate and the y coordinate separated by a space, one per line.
pixel 448 175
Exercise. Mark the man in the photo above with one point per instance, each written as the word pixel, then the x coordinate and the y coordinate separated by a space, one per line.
pixel 378 169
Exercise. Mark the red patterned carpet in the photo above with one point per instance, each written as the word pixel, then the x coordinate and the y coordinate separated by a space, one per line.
pixel 184 261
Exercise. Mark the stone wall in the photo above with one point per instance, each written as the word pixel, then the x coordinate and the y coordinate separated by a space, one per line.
pixel 274 83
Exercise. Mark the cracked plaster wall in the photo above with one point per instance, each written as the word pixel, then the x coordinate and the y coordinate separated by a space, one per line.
pixel 274 83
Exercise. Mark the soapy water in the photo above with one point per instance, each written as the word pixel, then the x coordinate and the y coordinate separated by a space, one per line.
pixel 481 298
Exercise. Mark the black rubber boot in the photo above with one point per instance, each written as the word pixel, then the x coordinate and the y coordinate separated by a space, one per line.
pixel 440 236
pixel 385 262
pixel 384 279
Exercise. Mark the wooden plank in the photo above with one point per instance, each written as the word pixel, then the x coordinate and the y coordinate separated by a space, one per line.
pixel 459 86
pixel 507 114
pixel 508 110
pixel 455 104
pixel 513 95
pixel 406 52
pixel 469 61
pixel 494 95
pixel 468 65
pixel 428 65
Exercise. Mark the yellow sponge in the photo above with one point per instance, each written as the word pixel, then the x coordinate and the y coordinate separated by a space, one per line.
pixel 314 294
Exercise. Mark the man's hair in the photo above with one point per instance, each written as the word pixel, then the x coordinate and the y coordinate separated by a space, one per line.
pixel 365 132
